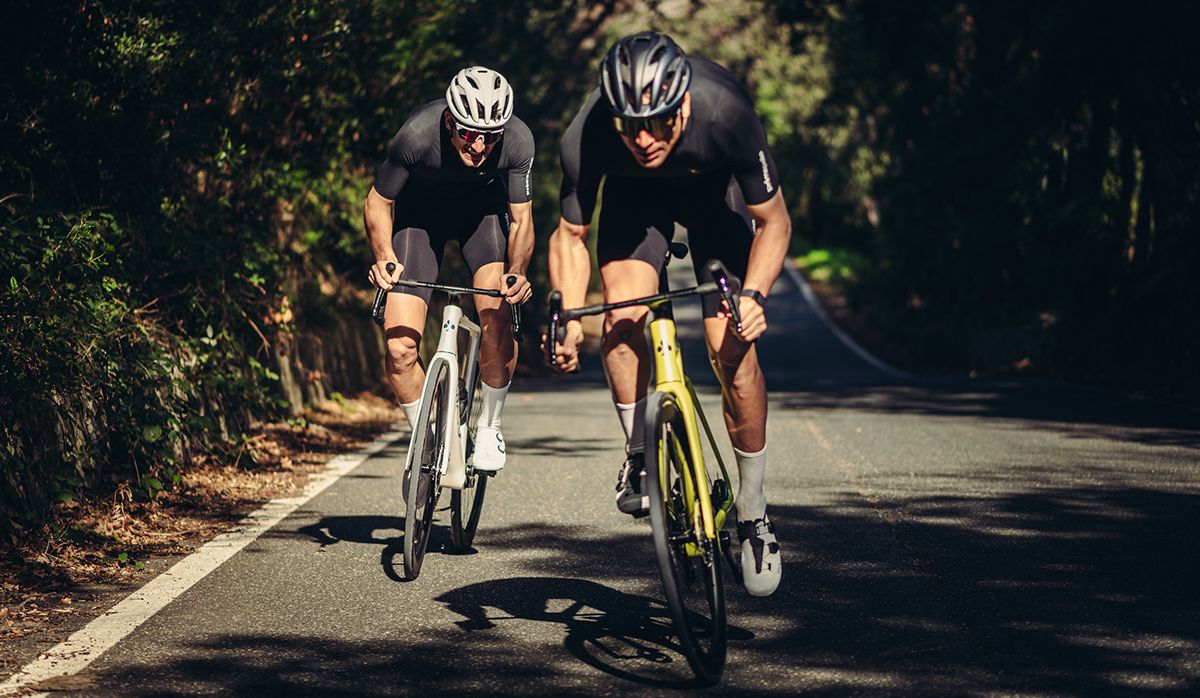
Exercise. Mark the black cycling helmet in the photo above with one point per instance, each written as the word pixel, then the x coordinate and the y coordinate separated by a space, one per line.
pixel 647 62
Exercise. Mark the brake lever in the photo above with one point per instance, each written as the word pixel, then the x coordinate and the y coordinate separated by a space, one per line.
pixel 730 287
pixel 380 303
pixel 515 310
pixel 552 329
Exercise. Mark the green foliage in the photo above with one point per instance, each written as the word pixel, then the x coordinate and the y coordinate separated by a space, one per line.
pixel 838 267
pixel 180 196
pixel 86 373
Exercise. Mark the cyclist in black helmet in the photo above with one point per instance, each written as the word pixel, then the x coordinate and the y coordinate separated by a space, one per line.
pixel 458 168
pixel 678 142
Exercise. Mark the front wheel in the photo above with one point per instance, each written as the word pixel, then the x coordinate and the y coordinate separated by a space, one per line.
pixel 687 560
pixel 429 441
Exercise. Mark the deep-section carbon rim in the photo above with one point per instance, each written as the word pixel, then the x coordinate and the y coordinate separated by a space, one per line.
pixel 427 446
pixel 692 584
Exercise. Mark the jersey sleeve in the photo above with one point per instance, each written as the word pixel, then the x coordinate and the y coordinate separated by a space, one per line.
pixel 519 153
pixel 753 166
pixel 581 169
pixel 393 172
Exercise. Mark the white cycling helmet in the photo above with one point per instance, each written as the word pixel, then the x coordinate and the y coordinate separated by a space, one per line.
pixel 480 99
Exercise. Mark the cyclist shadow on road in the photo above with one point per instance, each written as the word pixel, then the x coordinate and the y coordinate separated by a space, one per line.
pixel 378 530
pixel 625 635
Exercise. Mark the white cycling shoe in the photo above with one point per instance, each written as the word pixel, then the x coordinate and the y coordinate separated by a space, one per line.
pixel 489 450
pixel 762 563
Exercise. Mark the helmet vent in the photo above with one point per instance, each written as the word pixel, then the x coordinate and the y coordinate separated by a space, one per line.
pixel 480 99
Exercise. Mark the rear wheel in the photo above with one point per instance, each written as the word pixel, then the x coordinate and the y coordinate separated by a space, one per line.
pixel 429 441
pixel 467 504
pixel 692 582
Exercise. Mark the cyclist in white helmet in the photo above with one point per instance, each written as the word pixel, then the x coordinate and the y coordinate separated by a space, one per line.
pixel 458 169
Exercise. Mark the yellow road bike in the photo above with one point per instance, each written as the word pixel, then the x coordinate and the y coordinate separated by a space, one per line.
pixel 688 504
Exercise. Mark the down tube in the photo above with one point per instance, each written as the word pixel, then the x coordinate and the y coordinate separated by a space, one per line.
pixel 668 369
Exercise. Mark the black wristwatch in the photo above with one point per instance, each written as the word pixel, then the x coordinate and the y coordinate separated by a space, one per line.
pixel 756 295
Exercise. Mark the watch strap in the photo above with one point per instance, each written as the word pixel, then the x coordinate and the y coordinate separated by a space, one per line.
pixel 756 295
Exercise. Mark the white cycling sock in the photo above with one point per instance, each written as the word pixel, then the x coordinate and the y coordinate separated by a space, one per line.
pixel 633 419
pixel 493 404
pixel 412 410
pixel 751 502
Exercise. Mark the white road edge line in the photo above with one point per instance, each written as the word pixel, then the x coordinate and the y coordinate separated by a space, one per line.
pixel 798 279
pixel 88 643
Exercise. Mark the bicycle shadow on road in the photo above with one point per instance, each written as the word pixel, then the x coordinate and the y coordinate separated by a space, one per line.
pixel 331 530
pixel 625 635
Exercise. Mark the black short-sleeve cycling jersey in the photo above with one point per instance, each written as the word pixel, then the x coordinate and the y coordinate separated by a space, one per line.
pixel 723 135
pixel 422 154
pixel 439 198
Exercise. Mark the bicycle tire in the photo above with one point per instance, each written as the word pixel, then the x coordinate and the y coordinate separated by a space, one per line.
pixel 692 584
pixel 428 443
pixel 467 504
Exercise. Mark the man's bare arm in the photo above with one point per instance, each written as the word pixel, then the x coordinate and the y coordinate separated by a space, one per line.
pixel 520 237
pixel 570 262
pixel 767 252
pixel 570 273
pixel 377 219
pixel 770 246
pixel 520 251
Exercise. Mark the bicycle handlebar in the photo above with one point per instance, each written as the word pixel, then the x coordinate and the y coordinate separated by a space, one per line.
pixel 724 283
pixel 381 297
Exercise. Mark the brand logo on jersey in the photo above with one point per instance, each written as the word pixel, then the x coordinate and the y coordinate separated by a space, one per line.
pixel 762 158
pixel 528 172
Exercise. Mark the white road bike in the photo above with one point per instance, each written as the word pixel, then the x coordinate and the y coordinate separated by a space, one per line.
pixel 443 439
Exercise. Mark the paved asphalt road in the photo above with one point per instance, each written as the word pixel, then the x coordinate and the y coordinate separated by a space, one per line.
pixel 941 537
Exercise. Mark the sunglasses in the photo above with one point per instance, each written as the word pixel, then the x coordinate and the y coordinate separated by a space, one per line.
pixel 469 135
pixel 661 127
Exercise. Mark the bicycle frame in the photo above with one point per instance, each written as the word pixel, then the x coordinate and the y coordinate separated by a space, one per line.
pixel 452 465
pixel 671 379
